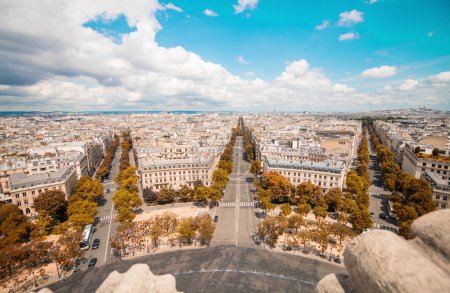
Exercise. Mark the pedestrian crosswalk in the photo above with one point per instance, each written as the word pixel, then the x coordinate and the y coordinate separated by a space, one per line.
pixel 232 204
pixel 106 218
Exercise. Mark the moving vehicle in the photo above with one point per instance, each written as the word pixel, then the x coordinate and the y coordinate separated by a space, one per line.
pixel 96 243
pixel 87 235
pixel 383 216
pixel 216 218
pixel 372 214
pixel 96 220
pixel 92 263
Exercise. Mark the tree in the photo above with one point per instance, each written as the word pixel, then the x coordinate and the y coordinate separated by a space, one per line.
pixel 125 198
pixel 304 236
pixel 81 212
pixel 125 215
pixel 333 198
pixel 360 219
pixel 278 185
pixel 168 222
pixel 355 184
pixel 303 209
pixel 205 227
pixel 186 193
pixel 266 204
pixel 15 229
pixel 295 221
pixel 6 210
pixel 127 178
pixel 286 209
pixel 42 225
pixel 186 229
pixel 417 150
pixel 201 194
pixel 89 189
pixel 53 202
pixel 220 177
pixel 198 183
pixel 341 231
pixel 166 195
pixel 271 228
pixel 255 168
pixel 435 152
pixel 320 236
pixel 308 192
pixel 320 212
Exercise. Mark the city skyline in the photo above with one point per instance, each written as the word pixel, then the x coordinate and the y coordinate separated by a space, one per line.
pixel 245 55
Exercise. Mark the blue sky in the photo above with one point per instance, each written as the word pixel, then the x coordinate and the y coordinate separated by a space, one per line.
pixel 277 31
pixel 216 55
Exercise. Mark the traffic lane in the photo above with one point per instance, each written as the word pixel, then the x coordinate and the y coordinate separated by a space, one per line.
pixel 295 273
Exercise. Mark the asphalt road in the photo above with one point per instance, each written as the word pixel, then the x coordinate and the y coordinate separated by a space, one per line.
pixel 217 269
pixel 106 228
pixel 378 194
pixel 237 221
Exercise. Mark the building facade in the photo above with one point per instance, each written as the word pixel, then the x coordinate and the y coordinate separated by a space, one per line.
pixel 24 188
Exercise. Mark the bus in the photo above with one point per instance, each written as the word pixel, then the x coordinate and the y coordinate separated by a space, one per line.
pixel 86 239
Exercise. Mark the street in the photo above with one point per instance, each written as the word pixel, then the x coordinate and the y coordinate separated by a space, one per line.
pixel 217 269
pixel 379 196
pixel 237 221
pixel 106 226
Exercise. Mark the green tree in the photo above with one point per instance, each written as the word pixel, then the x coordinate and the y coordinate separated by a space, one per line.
pixel 303 209
pixel 53 202
pixel 360 219
pixel 198 183
pixel 41 227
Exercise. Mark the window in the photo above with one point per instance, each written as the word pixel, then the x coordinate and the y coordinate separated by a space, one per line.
pixel 24 194
pixel 33 192
pixel 437 196
pixel 444 197
pixel 424 164
pixel 17 195
pixel 25 202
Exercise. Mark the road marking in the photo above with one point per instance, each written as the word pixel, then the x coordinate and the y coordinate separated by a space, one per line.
pixel 109 231
pixel 107 217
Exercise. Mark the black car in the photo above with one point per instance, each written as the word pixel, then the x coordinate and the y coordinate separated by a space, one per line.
pixel 92 263
pixel 96 243
pixel 216 218
pixel 96 220
pixel 382 216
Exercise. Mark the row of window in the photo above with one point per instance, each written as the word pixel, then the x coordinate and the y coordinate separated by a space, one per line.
pixel 438 196
pixel 161 180
pixel 318 183
pixel 157 187
pixel 443 205
pixel 33 192
pixel 175 173
pixel 434 166
pixel 176 167
pixel 298 174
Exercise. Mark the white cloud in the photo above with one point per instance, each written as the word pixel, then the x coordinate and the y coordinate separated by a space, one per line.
pixel 342 88
pixel 373 1
pixel 243 5
pixel 408 85
pixel 172 6
pixel 249 73
pixel 430 34
pixel 325 24
pixel 242 60
pixel 348 36
pixel 379 72
pixel 442 77
pixel 209 12
pixel 348 18
pixel 74 67
pixel 388 88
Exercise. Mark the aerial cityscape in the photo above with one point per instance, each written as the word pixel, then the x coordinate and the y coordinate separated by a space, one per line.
pixel 238 146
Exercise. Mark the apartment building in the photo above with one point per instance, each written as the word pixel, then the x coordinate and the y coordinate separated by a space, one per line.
pixel 416 165
pixel 441 189
pixel 24 188
pixel 62 160
pixel 156 174
pixel 324 174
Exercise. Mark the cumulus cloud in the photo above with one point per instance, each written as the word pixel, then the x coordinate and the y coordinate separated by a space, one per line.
pixel 172 6
pixel 348 36
pixel 442 77
pixel 325 24
pixel 209 12
pixel 242 60
pixel 408 85
pixel 75 67
pixel 243 5
pixel 379 72
pixel 348 18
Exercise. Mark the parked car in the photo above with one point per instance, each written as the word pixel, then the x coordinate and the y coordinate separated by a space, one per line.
pixel 372 214
pixel 96 243
pixel 107 190
pixel 96 220
pixel 92 263
pixel 382 216
pixel 216 218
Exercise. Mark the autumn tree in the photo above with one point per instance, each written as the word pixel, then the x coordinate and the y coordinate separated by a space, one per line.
pixel 286 209
pixel 186 193
pixel 205 227
pixel 341 231
pixel 81 212
pixel 201 194
pixel 304 237
pixel 166 195
pixel 14 229
pixel 53 202
pixel 295 221
pixel 355 184
pixel 168 221
pixel 255 168
pixel 333 199
pixel 310 193
pixel 321 235
pixel 186 229
pixel 198 183
pixel 270 229
pixel 89 189
pixel 278 186
pixel 303 209
pixel 44 222
pixel 360 219
pixel 320 212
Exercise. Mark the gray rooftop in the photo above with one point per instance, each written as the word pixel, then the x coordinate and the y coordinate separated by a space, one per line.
pixel 21 180
pixel 306 165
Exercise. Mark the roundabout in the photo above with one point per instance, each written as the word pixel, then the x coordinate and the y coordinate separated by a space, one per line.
pixel 217 269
